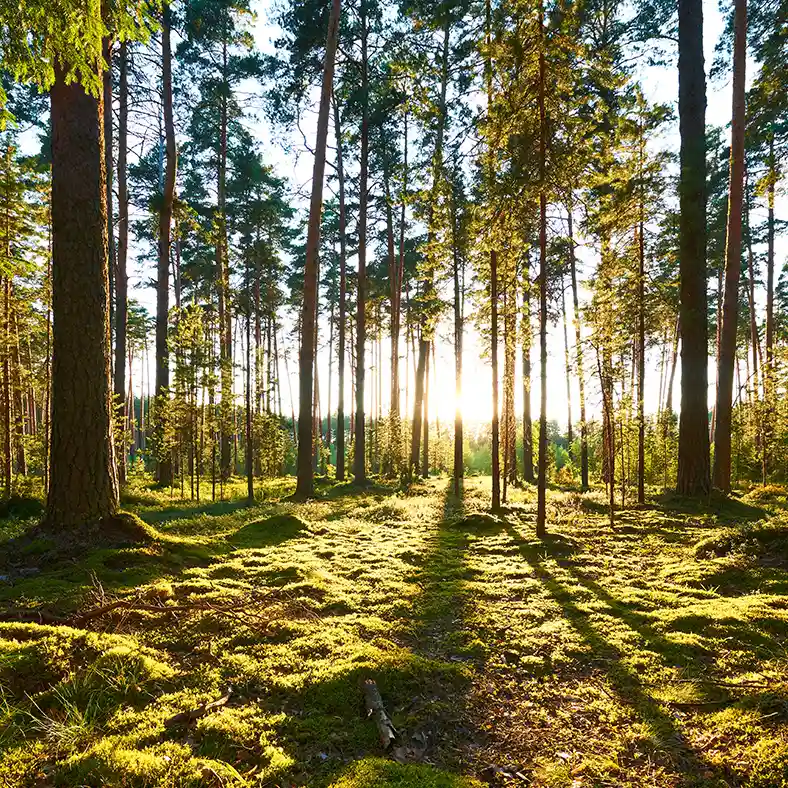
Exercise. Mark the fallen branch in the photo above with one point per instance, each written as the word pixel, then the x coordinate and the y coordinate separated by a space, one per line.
pixel 185 717
pixel 376 710
pixel 78 620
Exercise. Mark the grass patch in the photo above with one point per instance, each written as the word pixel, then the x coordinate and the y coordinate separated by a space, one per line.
pixel 655 654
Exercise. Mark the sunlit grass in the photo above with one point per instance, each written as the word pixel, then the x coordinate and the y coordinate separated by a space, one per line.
pixel 656 654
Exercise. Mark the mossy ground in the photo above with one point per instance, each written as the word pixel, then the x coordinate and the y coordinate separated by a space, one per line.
pixel 652 655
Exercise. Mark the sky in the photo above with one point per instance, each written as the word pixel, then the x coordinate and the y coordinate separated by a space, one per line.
pixel 660 85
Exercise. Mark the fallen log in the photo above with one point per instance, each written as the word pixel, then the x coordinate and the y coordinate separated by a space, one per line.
pixel 375 709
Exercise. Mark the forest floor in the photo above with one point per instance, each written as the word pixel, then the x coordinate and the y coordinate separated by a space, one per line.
pixel 655 654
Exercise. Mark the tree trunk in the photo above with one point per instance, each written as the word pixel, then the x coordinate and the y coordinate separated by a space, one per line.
pixel 641 349
pixel 223 288
pixel 121 275
pixel 733 250
pixel 429 284
pixel 568 369
pixel 164 469
pixel 495 447
pixel 83 482
pixel 359 450
pixel 107 87
pixel 459 469
pixel 425 443
pixel 342 301
pixel 693 456
pixel 418 404
pixel 304 483
pixel 541 509
pixel 528 428
pixel 249 434
pixel 7 410
pixel 19 406
pixel 579 353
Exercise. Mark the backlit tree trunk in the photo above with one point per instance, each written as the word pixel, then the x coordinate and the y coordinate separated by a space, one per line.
pixel 733 248
pixel 359 450
pixel 693 458
pixel 541 506
pixel 164 470
pixel 304 483
pixel 342 301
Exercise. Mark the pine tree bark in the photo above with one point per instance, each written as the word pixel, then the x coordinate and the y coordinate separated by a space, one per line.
pixel 528 428
pixel 733 250
pixel 429 284
pixel 304 481
pixel 567 369
pixel 164 469
pixel 223 287
pixel 541 506
pixel 693 456
pixel 107 87
pixel 495 438
pixel 83 482
pixel 425 443
pixel 459 468
pixel 578 352
pixel 359 446
pixel 342 300
pixel 121 275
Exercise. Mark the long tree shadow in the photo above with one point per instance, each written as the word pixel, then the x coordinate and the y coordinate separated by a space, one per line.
pixel 623 680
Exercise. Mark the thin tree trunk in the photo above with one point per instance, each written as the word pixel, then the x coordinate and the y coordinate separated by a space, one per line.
pixel 567 368
pixel 304 483
pixel 541 510
pixel 223 285
pixel 579 353
pixel 425 444
pixel 528 429
pixel 641 347
pixel 458 339
pixel 342 301
pixel 733 249
pixel 359 450
pixel 164 468
pixel 121 275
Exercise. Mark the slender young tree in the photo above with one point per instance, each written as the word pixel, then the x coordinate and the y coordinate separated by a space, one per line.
pixel 733 252
pixel 164 469
pixel 305 481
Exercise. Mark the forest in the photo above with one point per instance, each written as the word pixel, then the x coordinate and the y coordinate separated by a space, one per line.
pixel 393 393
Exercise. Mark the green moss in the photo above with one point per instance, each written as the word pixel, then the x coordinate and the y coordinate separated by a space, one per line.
pixel 611 658
pixel 378 773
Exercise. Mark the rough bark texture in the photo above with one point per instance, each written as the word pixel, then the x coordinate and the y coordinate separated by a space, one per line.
pixel 693 460
pixel 164 471
pixel 83 483
pixel 304 483
pixel 733 249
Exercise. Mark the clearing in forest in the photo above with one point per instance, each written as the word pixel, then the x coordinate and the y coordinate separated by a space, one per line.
pixel 231 651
